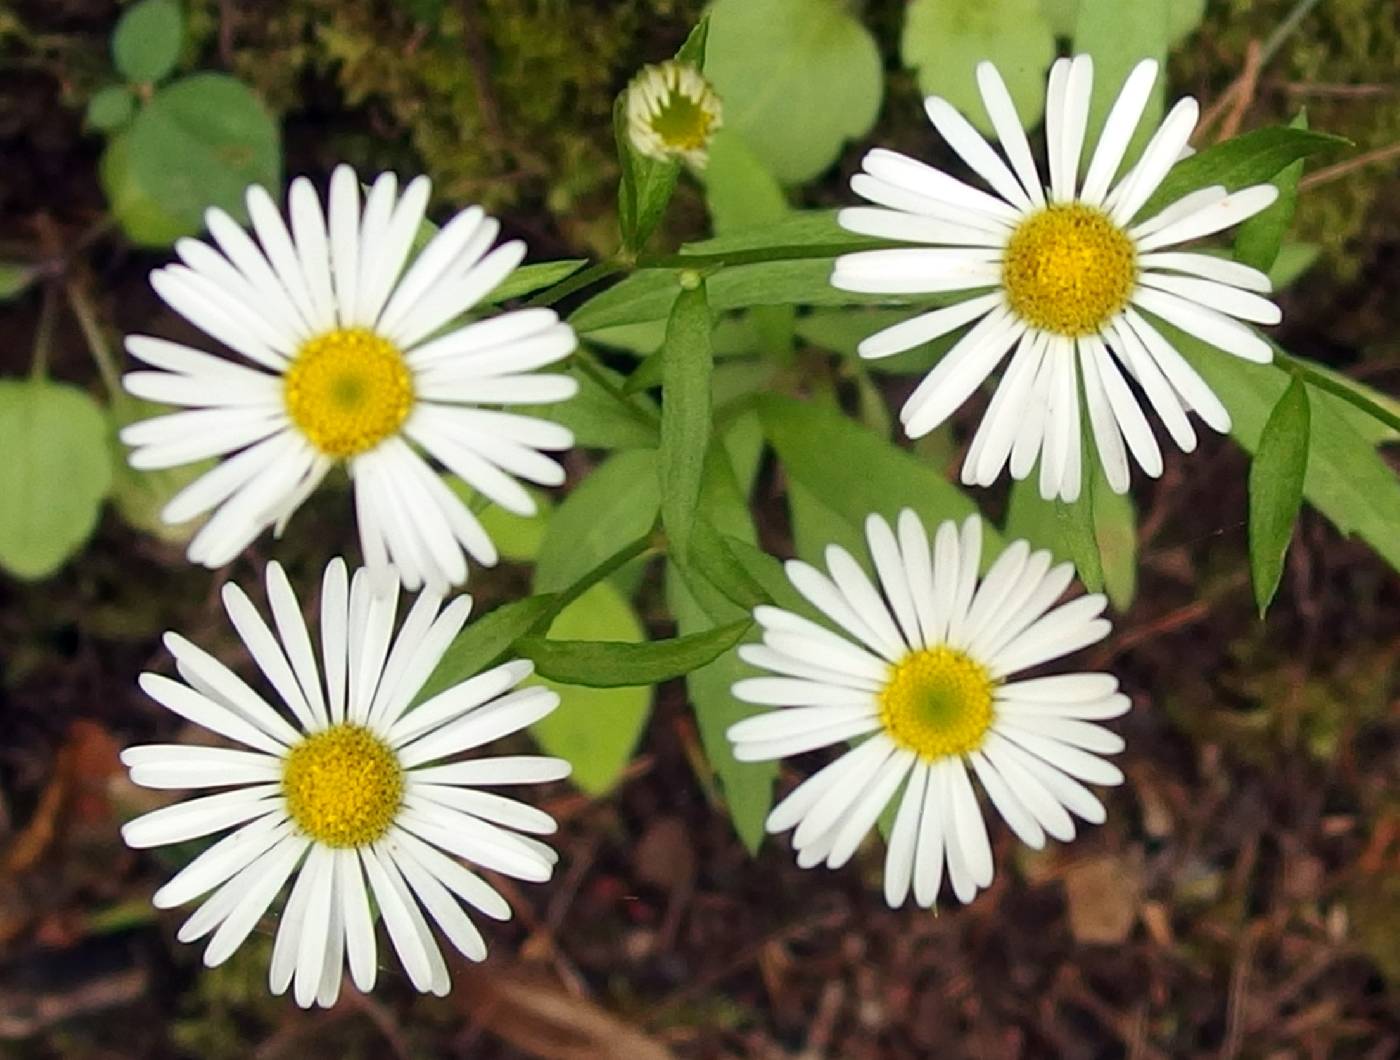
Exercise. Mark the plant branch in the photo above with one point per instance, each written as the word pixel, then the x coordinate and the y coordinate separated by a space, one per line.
pixel 96 341
pixel 1325 382
pixel 650 542
pixel 567 286
pixel 757 255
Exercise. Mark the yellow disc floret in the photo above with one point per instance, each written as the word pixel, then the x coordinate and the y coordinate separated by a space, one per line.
pixel 1067 269
pixel 343 786
pixel 938 702
pixel 348 390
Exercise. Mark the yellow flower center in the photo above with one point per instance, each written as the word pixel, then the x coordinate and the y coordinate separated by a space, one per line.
pixel 343 786
pixel 682 123
pixel 1067 269
pixel 938 702
pixel 348 390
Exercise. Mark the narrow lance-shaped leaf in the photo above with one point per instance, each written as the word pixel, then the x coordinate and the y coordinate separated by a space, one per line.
pixel 485 640
pixel 1076 518
pixel 1251 158
pixel 1276 489
pixel 608 664
pixel 687 365
pixel 1260 238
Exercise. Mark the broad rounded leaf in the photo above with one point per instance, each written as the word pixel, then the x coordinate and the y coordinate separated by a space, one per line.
pixel 798 79
pixel 201 142
pixel 147 40
pixel 142 217
pixel 110 108
pixel 944 40
pixel 56 470
pixel 596 728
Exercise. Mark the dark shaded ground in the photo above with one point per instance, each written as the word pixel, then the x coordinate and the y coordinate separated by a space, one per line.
pixel 1243 899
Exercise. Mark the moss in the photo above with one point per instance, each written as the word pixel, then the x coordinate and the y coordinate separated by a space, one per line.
pixel 1340 43
pixel 511 109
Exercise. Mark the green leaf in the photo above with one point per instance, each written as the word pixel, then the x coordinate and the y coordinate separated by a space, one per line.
pixel 768 571
pixel 1115 528
pixel 1259 239
pixel 140 213
pixel 200 142
pixel 797 228
pixel 1254 157
pixel 645 186
pixel 650 294
pixel 516 537
pixel 484 641
pixel 140 496
pixel 598 419
pixel 146 42
pixel 596 729
pixel 56 470
pixel 843 330
pixel 604 664
pixel 693 50
pixel 798 79
pixel 739 191
pixel 1183 16
pixel 530 278
pixel 110 108
pixel 15 279
pixel 1076 525
pixel 616 504
pixel 1293 260
pixel 815 524
pixel 747 786
pixel 1346 480
pixel 855 472
pixel 1276 489
pixel 1119 36
pixel 944 40
pixel 686 367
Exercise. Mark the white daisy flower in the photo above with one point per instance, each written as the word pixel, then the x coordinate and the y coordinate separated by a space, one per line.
pixel 921 678
pixel 673 112
pixel 1072 279
pixel 356 360
pixel 352 794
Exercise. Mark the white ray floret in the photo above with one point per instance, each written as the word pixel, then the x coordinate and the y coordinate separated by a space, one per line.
pixel 1067 275
pixel 345 789
pixel 917 675
pixel 357 356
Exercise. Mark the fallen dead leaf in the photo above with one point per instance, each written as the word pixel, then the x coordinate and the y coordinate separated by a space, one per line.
pixel 1103 894
pixel 535 1016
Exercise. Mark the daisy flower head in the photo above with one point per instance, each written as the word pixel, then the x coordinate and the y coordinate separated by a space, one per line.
pixel 1066 277
pixel 917 676
pixel 344 787
pixel 673 112
pixel 356 356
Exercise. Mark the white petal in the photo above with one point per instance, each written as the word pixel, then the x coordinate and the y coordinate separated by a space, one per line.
pixel 1118 130
pixel 926 327
pixel 1205 324
pixel 1231 210
pixel 1209 267
pixel 975 151
pixel 1185 379
pixel 1010 132
pixel 1157 158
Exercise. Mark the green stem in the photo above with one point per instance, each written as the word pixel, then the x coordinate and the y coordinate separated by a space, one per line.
pixel 757 255
pixel 43 334
pixel 96 341
pixel 590 367
pixel 567 286
pixel 650 542
pixel 1337 389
